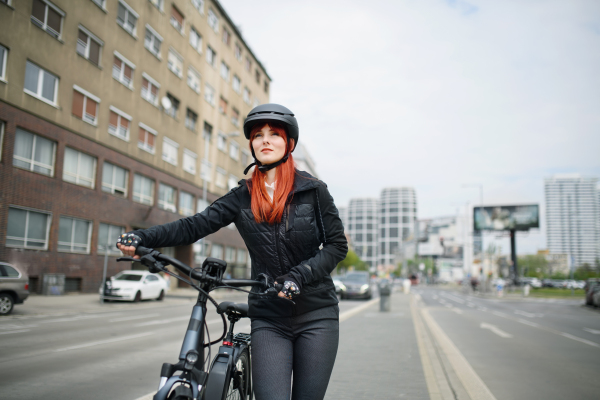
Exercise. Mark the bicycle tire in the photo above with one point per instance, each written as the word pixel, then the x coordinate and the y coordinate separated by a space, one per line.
pixel 240 387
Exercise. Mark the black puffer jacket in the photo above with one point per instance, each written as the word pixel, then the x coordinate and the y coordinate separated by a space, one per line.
pixel 292 246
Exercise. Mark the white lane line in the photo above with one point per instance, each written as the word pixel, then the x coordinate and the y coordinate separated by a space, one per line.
pixel 500 314
pixel 16 327
pixel 454 298
pixel 524 321
pixel 528 314
pixel 496 330
pixel 169 320
pixel 133 318
pixel 91 344
pixel 18 331
pixel 580 339
pixel 592 331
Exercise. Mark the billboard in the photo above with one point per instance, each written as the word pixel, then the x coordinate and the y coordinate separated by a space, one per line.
pixel 505 218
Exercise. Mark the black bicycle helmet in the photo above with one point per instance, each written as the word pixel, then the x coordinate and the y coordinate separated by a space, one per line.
pixel 272 112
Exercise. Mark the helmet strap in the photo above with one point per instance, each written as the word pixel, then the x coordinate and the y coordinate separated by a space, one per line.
pixel 264 168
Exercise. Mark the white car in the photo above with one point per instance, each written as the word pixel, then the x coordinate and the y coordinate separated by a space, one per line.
pixel 135 286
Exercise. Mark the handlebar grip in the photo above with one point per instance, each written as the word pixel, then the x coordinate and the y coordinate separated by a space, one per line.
pixel 278 286
pixel 142 251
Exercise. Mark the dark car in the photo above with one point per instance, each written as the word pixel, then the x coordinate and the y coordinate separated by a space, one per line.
pixel 591 286
pixel 14 287
pixel 358 286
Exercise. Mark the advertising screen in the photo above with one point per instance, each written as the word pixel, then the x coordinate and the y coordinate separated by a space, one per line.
pixel 504 218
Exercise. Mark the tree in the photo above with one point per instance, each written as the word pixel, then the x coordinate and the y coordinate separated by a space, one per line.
pixel 534 266
pixel 352 260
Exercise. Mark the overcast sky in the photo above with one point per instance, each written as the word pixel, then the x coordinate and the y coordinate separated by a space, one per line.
pixel 435 94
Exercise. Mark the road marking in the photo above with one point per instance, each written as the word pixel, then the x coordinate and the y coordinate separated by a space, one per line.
pixel 454 298
pixel 500 314
pixel 495 329
pixel 524 321
pixel 528 314
pixel 18 331
pixel 71 319
pixel 593 331
pixel 91 344
pixel 482 308
pixel 169 320
pixel 133 318
pixel 16 326
pixel 580 339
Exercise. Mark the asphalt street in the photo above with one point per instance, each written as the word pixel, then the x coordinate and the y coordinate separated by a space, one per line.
pixel 113 351
pixel 522 348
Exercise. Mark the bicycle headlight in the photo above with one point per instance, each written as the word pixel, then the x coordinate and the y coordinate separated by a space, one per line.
pixel 192 357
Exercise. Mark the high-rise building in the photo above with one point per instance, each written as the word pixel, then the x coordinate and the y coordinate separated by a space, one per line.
pixel 117 115
pixel 361 225
pixel 304 161
pixel 572 212
pixel 397 217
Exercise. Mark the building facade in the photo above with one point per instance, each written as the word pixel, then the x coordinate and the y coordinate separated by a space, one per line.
pixel 572 214
pixel 361 225
pixel 397 218
pixel 117 115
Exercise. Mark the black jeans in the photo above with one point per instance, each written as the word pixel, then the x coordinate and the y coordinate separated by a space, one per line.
pixel 305 345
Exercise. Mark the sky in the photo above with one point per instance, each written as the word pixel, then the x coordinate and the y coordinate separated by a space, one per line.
pixel 436 94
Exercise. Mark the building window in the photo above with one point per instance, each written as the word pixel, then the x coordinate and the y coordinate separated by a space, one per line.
pixel 2 125
pixel 205 172
pixel 216 251
pixel 106 238
pixel 237 51
pixel 196 40
pixel 175 63
pixel 89 46
pixel 126 17
pixel 193 79
pixel 169 151
pixel 232 182
pixel 114 179
pixel 224 71
pixel 41 84
pixel 3 58
pixel 209 94
pixel 152 41
pixel 186 204
pixel 248 64
pixel 158 4
pixel 222 106
pixel 256 102
pixel 241 256
pixel 123 70
pixel 266 86
pixel 166 197
pixel 79 168
pixel 226 36
pixel 147 138
pixel 199 5
pixel 143 190
pixel 189 161
pixel 100 3
pixel 172 111
pixel 177 19
pixel 74 235
pixel 222 142
pixel 150 89
pixel 213 21
pixel 191 118
pixel 211 56
pixel 229 254
pixel 235 116
pixel 34 153
pixel 257 75
pixel 245 157
pixel 85 105
pixel 118 123
pixel 48 17
pixel 236 84
pixel 221 177
pixel 246 96
pixel 27 229
pixel 234 150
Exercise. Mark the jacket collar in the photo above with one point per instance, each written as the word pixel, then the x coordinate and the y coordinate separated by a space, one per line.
pixel 303 181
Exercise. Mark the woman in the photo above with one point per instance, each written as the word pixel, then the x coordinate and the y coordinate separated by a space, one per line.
pixel 284 216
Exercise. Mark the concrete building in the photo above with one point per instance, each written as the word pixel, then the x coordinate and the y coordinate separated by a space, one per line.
pixel 397 217
pixel 362 226
pixel 304 161
pixel 572 213
pixel 116 115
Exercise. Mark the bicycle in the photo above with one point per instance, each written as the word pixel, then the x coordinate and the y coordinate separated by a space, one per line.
pixel 229 376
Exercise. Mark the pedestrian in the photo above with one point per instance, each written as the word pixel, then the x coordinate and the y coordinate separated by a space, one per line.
pixel 293 233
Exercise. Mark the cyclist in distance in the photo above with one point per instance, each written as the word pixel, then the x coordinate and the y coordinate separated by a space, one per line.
pixel 294 234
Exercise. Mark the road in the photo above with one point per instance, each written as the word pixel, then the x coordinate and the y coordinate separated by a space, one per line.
pixel 522 348
pixel 113 352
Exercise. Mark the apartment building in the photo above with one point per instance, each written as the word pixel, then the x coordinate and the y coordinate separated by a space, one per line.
pixel 572 215
pixel 398 214
pixel 360 224
pixel 117 115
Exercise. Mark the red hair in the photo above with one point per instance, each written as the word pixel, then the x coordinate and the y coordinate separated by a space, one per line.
pixel 263 209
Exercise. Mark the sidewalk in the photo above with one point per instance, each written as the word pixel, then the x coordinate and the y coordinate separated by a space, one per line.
pixel 378 355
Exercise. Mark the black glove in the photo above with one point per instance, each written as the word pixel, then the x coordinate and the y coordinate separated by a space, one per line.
pixel 129 239
pixel 291 288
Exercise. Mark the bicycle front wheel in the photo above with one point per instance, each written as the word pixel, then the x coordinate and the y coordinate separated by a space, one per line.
pixel 239 386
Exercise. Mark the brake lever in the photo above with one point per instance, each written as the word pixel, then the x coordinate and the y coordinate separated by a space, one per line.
pixel 128 259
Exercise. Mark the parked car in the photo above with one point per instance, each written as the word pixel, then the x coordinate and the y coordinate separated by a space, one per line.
pixel 533 282
pixel 358 285
pixel 596 296
pixel 340 288
pixel 591 285
pixel 14 287
pixel 134 286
